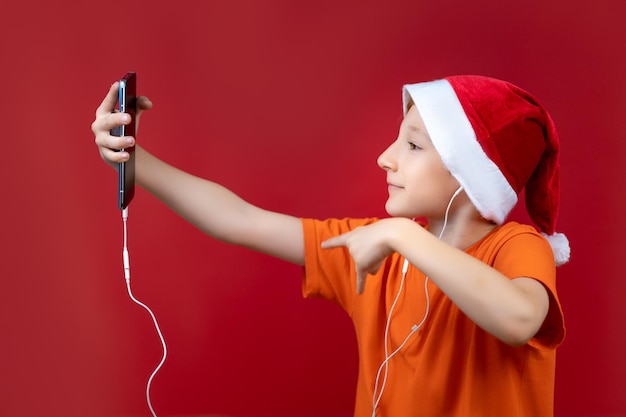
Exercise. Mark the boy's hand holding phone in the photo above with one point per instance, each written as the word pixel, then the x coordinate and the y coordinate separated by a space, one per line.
pixel 113 148
pixel 127 103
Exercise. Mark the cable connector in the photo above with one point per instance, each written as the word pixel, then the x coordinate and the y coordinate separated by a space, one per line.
pixel 125 251
pixel 126 264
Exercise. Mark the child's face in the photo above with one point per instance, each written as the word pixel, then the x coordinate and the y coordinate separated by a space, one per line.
pixel 419 184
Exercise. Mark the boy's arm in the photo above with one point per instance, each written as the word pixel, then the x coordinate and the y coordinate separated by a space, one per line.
pixel 511 310
pixel 219 212
pixel 207 205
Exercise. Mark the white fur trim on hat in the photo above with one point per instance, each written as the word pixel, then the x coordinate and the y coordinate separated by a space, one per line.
pixel 455 140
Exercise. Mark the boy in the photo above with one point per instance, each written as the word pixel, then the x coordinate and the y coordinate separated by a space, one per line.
pixel 459 316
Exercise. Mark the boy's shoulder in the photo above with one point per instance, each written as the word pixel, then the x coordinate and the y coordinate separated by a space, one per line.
pixel 514 239
pixel 513 228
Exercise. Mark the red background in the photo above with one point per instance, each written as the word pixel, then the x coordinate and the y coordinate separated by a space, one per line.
pixel 287 103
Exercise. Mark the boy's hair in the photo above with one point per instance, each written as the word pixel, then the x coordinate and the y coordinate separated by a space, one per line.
pixel 495 139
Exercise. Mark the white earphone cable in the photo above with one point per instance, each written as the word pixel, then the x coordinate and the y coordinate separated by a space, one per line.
pixel 414 328
pixel 132 297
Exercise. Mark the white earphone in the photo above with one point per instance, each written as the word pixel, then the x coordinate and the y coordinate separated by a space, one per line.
pixel 385 364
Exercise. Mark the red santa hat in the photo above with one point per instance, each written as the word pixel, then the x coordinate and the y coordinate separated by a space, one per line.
pixel 497 140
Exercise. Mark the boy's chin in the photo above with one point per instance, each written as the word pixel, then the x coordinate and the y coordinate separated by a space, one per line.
pixel 398 212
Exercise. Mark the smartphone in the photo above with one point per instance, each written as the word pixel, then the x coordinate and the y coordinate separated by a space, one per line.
pixel 127 103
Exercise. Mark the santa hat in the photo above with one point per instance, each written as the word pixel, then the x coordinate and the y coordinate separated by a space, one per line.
pixel 496 139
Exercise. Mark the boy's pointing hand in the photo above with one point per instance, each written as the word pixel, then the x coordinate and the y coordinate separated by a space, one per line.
pixel 368 246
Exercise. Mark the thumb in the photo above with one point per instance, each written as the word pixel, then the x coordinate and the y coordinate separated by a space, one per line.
pixel 143 103
pixel 361 276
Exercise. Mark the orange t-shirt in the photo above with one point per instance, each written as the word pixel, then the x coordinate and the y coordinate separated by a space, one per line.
pixel 450 366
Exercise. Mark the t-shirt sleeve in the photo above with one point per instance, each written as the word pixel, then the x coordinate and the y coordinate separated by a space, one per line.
pixel 530 255
pixel 329 273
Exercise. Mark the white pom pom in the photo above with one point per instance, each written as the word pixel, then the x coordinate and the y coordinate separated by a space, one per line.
pixel 560 247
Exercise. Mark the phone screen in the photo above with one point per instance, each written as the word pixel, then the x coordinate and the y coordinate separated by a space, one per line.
pixel 127 103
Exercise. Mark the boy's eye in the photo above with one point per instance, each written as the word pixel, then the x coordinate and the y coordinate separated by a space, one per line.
pixel 413 146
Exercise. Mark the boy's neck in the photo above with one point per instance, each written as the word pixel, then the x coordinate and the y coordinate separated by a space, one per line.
pixel 463 229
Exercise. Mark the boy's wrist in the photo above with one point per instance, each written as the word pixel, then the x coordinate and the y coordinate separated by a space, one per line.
pixel 403 235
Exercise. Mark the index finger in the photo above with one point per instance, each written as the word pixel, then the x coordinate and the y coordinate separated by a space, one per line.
pixel 108 104
pixel 335 242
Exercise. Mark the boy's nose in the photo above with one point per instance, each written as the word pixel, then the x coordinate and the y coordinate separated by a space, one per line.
pixel 385 159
